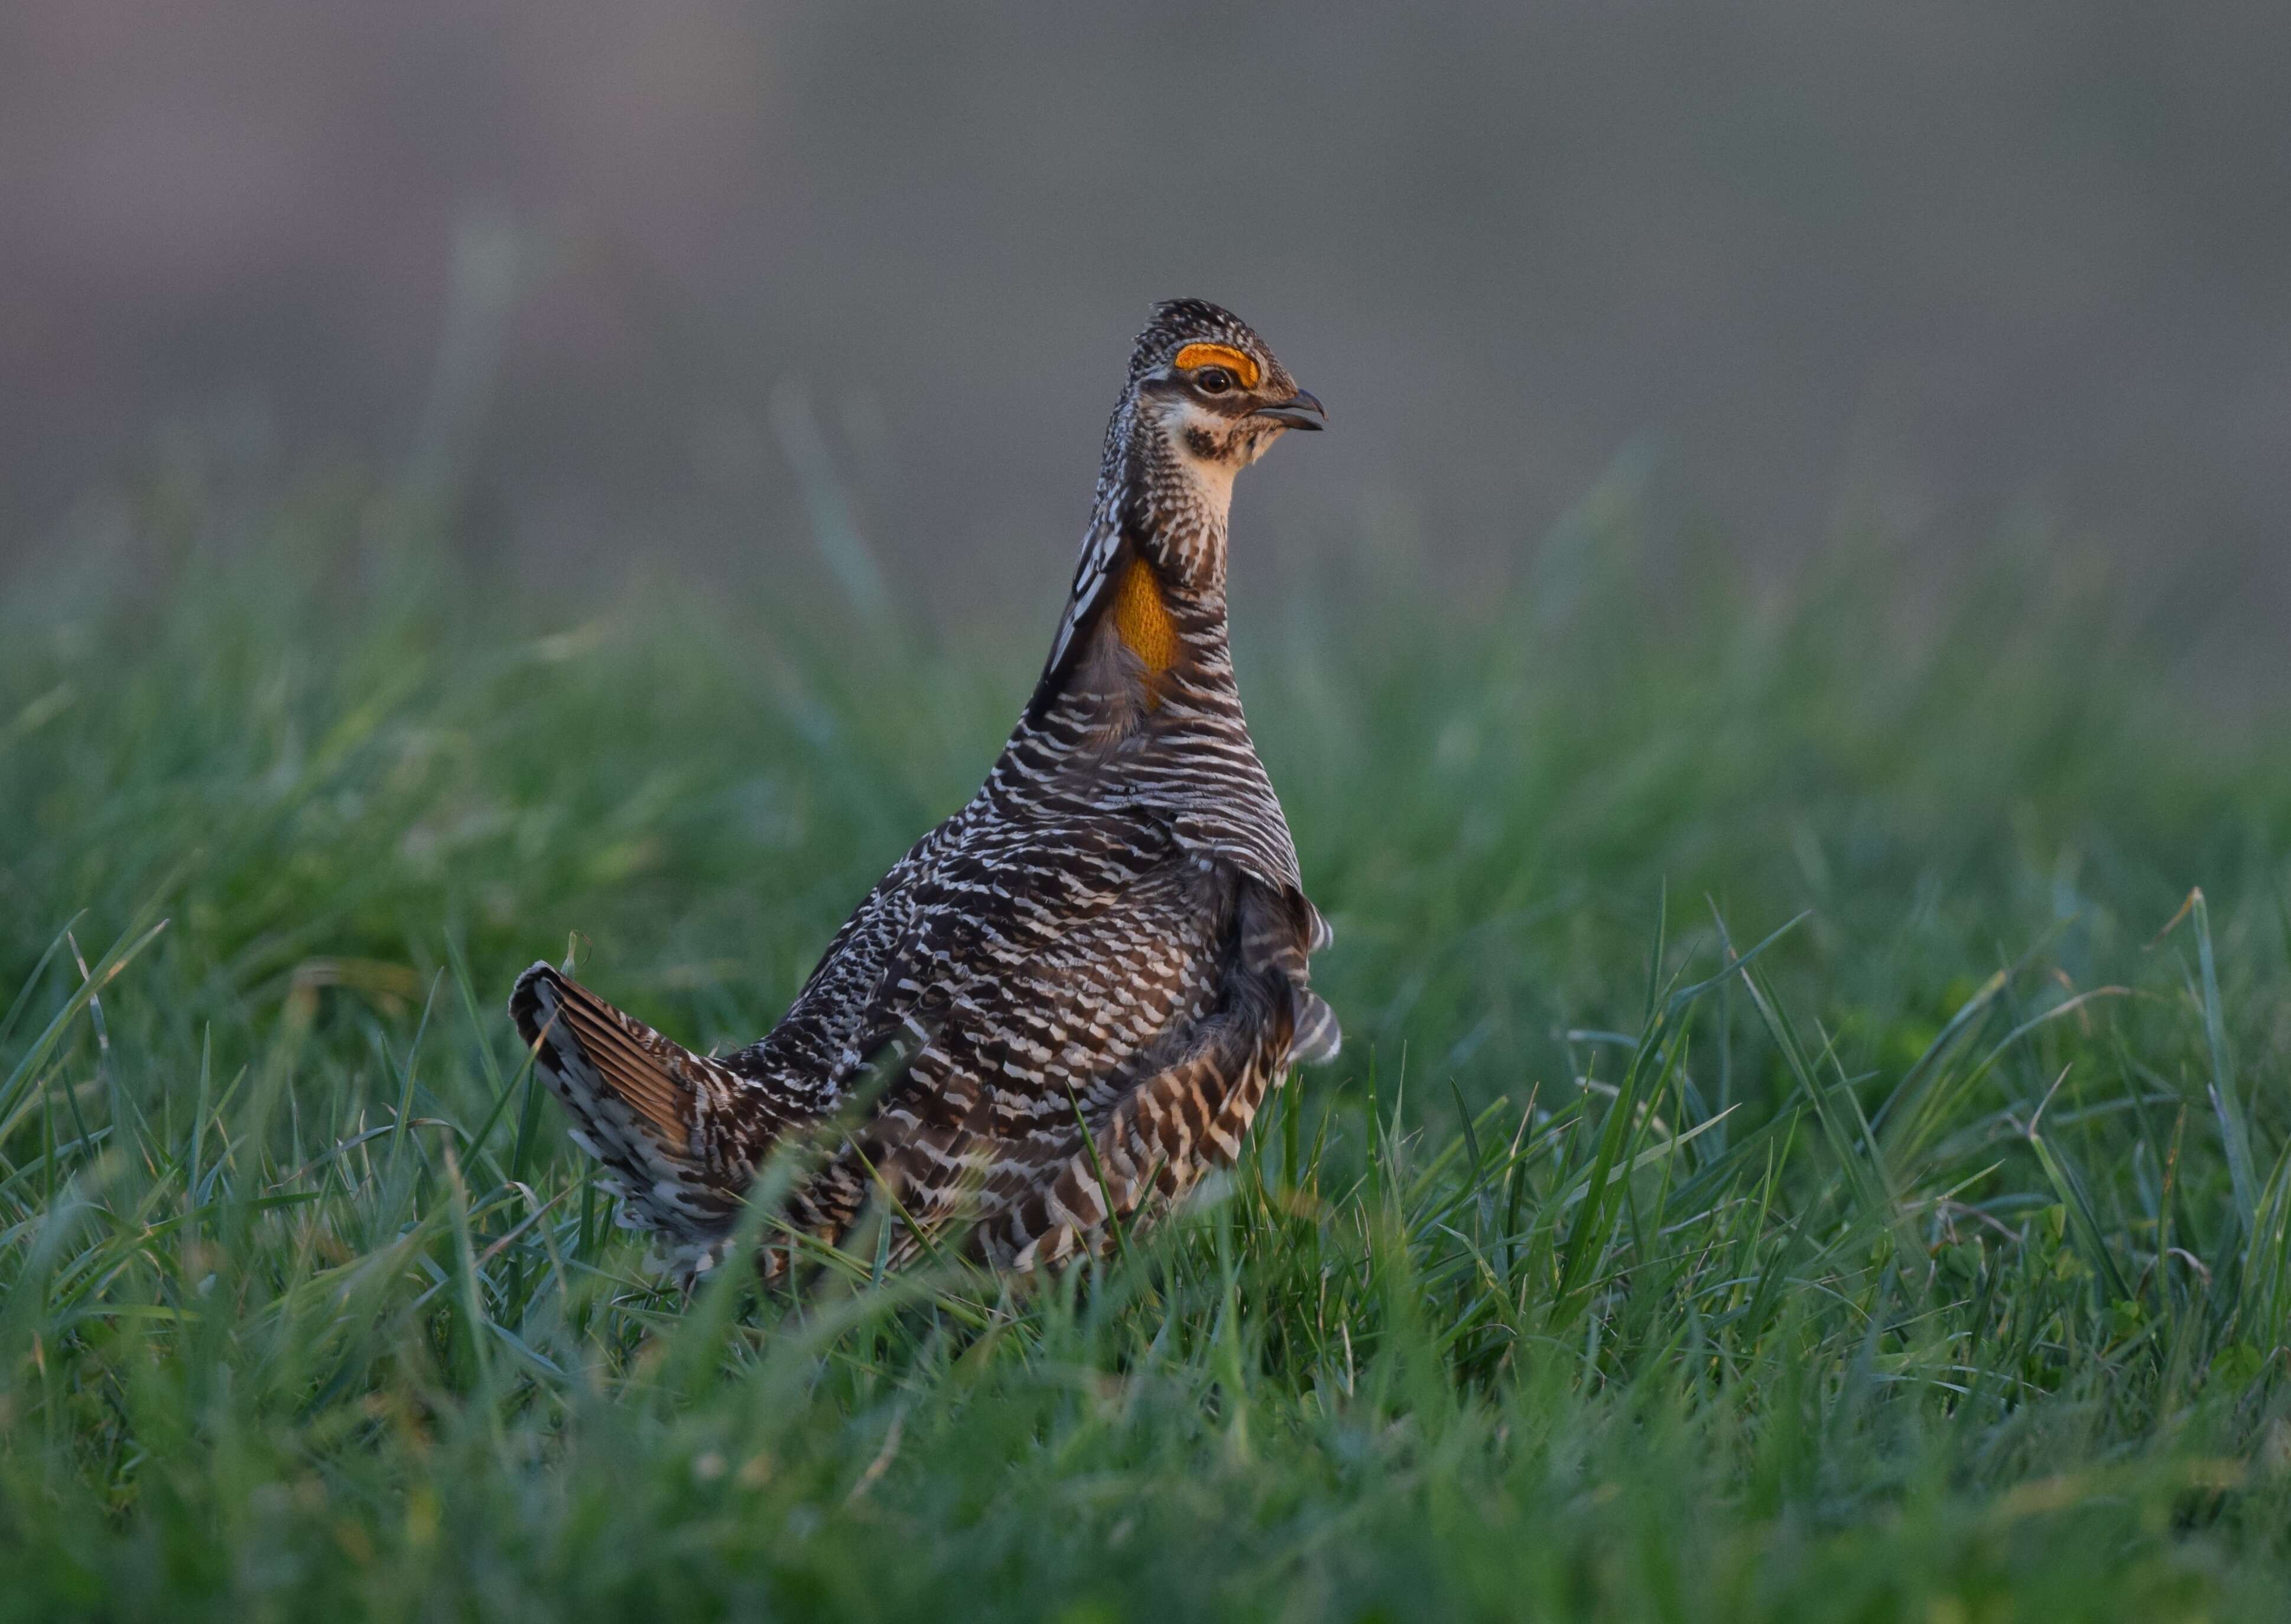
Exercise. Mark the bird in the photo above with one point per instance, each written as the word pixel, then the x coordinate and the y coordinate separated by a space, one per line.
pixel 1065 1006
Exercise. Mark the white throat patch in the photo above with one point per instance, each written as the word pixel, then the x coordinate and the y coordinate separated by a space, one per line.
pixel 1211 476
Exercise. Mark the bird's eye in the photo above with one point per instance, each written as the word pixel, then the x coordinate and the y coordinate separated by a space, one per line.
pixel 1213 381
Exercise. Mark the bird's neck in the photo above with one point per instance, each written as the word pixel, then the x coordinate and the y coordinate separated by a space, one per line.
pixel 1152 580
pixel 1173 509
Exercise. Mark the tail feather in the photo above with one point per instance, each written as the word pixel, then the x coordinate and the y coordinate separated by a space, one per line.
pixel 636 1102
pixel 576 1032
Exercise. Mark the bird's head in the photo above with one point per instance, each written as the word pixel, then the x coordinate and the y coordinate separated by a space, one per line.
pixel 1203 399
pixel 1208 385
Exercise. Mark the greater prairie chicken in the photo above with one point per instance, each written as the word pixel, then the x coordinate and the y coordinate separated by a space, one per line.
pixel 1067 1001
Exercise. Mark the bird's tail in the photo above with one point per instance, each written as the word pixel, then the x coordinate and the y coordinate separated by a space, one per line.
pixel 639 1104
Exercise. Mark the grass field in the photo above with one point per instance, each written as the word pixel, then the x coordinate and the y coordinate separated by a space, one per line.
pixel 1933 1265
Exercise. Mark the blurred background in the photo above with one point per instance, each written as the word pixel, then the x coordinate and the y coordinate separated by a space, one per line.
pixel 696 281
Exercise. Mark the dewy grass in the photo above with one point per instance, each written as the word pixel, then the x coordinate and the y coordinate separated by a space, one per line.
pixel 1778 1169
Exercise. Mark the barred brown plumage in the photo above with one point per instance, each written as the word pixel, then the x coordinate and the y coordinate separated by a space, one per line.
pixel 1072 994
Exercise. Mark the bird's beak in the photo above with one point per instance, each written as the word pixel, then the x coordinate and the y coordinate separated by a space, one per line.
pixel 1299 411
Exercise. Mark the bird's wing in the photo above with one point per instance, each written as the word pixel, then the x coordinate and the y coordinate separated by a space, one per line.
pixel 1123 1054
pixel 1177 1105
pixel 1035 1040
pixel 990 904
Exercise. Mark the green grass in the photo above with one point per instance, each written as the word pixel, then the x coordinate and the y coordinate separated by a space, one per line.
pixel 1935 1265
